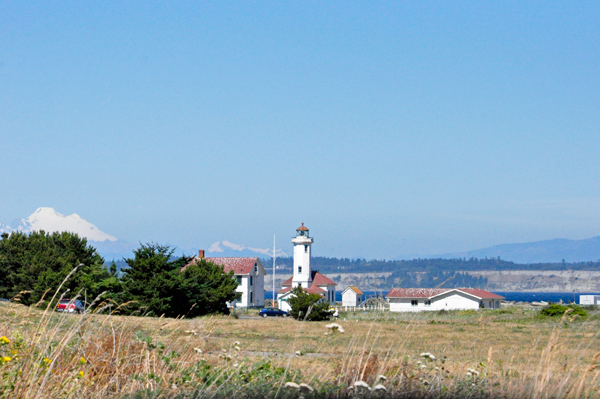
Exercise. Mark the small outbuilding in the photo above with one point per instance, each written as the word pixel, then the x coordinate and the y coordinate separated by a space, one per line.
pixel 589 299
pixel 352 296
pixel 423 299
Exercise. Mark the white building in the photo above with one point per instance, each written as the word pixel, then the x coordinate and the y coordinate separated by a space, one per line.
pixel 310 280
pixel 250 276
pixel 352 296
pixel 589 299
pixel 421 299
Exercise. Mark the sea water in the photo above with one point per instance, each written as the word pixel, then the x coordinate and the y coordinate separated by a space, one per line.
pixel 555 297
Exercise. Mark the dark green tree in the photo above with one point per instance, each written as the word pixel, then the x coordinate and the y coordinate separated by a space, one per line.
pixel 151 279
pixel 162 286
pixel 304 303
pixel 205 288
pixel 36 263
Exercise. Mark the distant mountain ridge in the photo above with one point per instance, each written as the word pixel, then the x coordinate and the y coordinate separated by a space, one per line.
pixel 554 250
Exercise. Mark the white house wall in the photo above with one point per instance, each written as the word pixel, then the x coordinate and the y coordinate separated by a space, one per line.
pixel 349 298
pixel 454 301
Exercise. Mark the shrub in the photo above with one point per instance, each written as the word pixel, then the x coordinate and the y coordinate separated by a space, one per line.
pixel 554 309
pixel 307 306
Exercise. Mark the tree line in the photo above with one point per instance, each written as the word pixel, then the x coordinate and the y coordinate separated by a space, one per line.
pixel 361 265
pixel 33 266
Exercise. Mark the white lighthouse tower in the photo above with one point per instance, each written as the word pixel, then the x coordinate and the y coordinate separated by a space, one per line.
pixel 302 272
pixel 310 280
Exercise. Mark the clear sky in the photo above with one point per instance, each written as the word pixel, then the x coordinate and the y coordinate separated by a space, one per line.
pixel 389 128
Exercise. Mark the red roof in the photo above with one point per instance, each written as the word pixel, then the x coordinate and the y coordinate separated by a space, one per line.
pixel 483 294
pixel 302 228
pixel 317 278
pixel 355 289
pixel 320 279
pixel 431 292
pixel 312 290
pixel 415 292
pixel 237 265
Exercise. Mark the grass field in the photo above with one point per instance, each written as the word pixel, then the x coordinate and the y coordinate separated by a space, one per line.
pixel 510 352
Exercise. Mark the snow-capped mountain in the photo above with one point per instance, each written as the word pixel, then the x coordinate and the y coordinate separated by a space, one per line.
pixel 50 221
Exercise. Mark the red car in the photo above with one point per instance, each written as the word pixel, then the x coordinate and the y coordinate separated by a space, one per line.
pixel 70 306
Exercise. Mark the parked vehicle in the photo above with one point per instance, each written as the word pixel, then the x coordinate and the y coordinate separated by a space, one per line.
pixel 266 312
pixel 70 306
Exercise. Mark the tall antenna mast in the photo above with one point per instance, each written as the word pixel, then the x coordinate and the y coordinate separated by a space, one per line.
pixel 274 257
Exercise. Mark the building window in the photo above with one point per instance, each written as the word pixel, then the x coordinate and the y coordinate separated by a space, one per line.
pixel 414 302
pixel 428 302
pixel 239 280
pixel 251 297
pixel 299 269
pixel 306 248
pixel 250 280
pixel 256 268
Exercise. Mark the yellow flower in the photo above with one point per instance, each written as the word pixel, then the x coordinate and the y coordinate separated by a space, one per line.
pixel 6 359
pixel 4 341
pixel 80 374
pixel 14 352
pixel 46 360
pixel 82 360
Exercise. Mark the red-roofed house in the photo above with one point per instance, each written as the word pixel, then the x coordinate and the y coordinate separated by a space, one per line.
pixel 419 299
pixel 250 275
pixel 310 280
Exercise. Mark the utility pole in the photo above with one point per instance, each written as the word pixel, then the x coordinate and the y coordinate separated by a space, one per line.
pixel 375 273
pixel 274 257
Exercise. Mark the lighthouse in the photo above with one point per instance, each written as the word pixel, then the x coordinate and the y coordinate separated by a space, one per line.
pixel 302 271
pixel 310 280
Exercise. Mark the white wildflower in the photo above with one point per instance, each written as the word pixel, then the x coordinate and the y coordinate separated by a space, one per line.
pixel 198 350
pixel 191 332
pixel 362 385
pixel 472 371
pixel 292 385
pixel 379 387
pixel 427 355
pixel 173 386
pixel 436 368
pixel 298 353
pixel 335 327
pixel 306 387
pixel 236 365
pixel 237 348
pixel 237 343
pixel 419 362
pixel 423 366
pixel 381 378
pixel 469 374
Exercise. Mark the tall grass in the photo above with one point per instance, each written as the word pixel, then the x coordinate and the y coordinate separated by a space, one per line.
pixel 99 354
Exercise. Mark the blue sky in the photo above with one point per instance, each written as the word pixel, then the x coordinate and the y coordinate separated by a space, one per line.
pixel 389 129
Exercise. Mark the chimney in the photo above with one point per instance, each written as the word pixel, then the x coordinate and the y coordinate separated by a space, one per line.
pixel 201 254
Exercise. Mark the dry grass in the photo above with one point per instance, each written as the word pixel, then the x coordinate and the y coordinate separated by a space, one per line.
pixel 510 353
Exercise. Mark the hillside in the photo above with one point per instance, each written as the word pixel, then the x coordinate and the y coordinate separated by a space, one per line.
pixel 550 251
